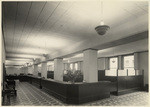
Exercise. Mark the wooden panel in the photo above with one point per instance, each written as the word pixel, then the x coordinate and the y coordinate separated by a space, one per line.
pixel 129 84
pixel 36 81
pixel 101 75
pixel 122 84
pixel 50 74
pixel 77 93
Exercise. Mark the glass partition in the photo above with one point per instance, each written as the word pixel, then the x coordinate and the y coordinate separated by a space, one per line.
pixel 138 72
pixel 122 72
pixel 131 72
pixel 110 72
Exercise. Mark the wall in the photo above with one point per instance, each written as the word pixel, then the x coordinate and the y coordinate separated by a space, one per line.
pixel 40 68
pixel 3 57
pixel 50 67
pixel 101 63
pixel 77 59
pixel 3 52
pixel 12 70
pixel 30 70
pixel 143 64
pixel 24 70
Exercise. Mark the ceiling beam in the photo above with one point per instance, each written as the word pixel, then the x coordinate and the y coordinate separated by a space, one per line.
pixel 122 41
pixel 8 57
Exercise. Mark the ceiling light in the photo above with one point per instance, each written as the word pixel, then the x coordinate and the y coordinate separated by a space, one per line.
pixel 101 29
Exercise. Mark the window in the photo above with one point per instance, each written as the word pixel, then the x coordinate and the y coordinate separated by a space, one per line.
pixel 71 66
pixel 76 66
pixel 129 62
pixel 65 66
pixel 39 68
pixel 50 66
pixel 113 63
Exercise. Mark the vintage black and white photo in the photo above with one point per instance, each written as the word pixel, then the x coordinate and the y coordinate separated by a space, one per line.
pixel 74 53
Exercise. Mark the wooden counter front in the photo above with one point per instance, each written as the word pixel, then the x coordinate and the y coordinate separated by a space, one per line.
pixel 72 93
pixel 76 93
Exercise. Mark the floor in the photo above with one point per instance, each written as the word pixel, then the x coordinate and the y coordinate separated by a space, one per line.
pixel 29 95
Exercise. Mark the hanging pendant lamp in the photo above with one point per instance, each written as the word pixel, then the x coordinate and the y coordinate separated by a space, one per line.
pixel 102 29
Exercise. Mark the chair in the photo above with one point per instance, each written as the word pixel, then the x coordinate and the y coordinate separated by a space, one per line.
pixel 10 88
pixel 8 91
pixel 11 82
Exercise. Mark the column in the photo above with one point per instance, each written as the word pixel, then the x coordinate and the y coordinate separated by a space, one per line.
pixel 58 69
pixel 106 63
pixel 35 72
pixel 44 70
pixel 120 62
pixel 136 61
pixel 101 64
pixel 90 72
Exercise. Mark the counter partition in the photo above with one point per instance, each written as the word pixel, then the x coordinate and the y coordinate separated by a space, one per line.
pixel 76 93
pixel 122 81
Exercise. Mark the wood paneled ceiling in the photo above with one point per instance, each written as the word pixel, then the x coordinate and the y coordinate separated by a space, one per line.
pixel 58 28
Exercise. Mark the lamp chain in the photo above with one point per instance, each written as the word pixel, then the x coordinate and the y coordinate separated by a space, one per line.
pixel 101 11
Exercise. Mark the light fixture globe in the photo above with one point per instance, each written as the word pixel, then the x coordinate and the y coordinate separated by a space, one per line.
pixel 101 30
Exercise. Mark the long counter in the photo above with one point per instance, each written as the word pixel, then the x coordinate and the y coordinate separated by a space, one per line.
pixel 76 93
pixel 72 93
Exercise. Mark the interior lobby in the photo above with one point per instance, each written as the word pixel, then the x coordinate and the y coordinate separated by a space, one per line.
pixel 80 52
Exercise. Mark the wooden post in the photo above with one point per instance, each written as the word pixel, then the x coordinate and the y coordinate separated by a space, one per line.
pixel 142 79
pixel 117 83
pixel 117 72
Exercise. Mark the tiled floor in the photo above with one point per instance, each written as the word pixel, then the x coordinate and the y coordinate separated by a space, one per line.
pixel 28 95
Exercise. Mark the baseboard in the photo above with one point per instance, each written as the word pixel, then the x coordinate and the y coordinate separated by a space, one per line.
pixel 126 91
pixel 122 92
pixel 75 101
pixel 146 87
pixel 36 85
pixel 54 94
